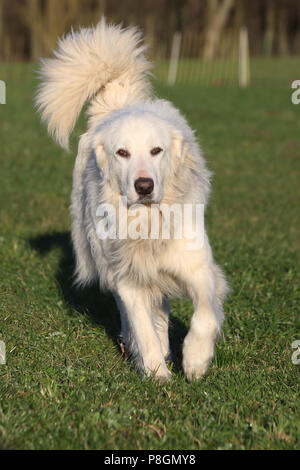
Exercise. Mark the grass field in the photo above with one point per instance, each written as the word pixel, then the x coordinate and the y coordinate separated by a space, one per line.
pixel 65 384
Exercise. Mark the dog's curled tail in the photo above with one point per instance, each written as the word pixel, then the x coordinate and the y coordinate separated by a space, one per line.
pixel 104 65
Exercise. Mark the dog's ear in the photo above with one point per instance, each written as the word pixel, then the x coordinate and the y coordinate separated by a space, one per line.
pixel 179 149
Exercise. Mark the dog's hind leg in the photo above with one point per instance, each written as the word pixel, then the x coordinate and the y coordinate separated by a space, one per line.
pixel 141 338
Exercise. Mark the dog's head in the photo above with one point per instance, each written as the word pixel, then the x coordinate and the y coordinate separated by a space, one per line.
pixel 138 153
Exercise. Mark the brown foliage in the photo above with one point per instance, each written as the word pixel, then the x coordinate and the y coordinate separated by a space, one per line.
pixel 29 28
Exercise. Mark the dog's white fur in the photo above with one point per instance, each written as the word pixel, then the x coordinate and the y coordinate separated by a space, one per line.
pixel 106 66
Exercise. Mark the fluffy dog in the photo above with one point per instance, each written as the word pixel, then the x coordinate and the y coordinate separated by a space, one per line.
pixel 141 148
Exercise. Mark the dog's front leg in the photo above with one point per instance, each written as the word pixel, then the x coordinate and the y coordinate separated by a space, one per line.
pixel 141 337
pixel 198 347
pixel 161 320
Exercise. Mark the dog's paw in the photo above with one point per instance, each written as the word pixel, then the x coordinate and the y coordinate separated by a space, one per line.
pixel 163 378
pixel 197 356
pixel 194 370
pixel 159 372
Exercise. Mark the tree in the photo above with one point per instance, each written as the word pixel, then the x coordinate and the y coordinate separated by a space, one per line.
pixel 282 32
pixel 217 16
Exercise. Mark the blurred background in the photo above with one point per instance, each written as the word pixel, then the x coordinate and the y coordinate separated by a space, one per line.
pixel 203 41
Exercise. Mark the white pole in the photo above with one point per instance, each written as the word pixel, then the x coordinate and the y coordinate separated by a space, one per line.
pixel 244 62
pixel 175 52
pixel 2 92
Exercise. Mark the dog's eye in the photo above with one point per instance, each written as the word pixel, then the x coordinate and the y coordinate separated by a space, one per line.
pixel 156 151
pixel 123 153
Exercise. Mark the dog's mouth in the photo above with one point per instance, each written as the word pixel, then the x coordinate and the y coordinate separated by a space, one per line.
pixel 145 200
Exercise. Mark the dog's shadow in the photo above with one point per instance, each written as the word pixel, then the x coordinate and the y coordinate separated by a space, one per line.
pixel 98 307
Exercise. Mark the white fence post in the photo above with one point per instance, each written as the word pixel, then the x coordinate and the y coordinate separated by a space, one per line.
pixel 244 61
pixel 2 353
pixel 2 92
pixel 175 52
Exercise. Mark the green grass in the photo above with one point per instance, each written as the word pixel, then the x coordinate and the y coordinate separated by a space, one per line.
pixel 225 71
pixel 66 384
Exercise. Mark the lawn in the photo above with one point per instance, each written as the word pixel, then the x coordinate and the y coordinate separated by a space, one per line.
pixel 66 384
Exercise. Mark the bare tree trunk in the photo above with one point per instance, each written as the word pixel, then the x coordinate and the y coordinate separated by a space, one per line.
pixel 59 16
pixel 101 10
pixel 34 13
pixel 45 26
pixel 1 29
pixel 283 47
pixel 218 15
pixel 270 29
pixel 296 42
pixel 150 31
pixel 239 15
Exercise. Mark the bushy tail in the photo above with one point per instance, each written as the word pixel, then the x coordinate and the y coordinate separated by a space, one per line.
pixel 104 65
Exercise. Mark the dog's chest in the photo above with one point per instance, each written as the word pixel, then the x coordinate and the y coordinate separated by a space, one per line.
pixel 143 262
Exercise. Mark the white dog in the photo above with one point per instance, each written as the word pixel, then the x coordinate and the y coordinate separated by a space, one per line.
pixel 141 148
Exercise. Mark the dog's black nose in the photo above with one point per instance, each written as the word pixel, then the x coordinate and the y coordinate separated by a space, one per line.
pixel 144 186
